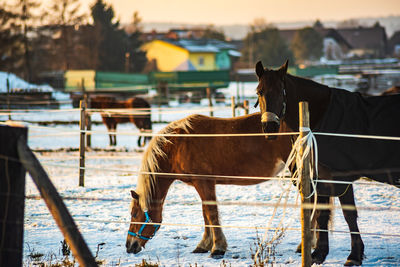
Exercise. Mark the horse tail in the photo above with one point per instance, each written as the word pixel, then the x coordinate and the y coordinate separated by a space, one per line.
pixel 160 148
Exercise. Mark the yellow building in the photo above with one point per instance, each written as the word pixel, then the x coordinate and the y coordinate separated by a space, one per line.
pixel 188 55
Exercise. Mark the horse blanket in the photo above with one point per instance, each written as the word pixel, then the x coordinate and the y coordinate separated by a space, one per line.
pixel 351 113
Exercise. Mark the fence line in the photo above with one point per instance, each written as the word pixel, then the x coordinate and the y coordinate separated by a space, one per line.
pixel 217 226
pixel 231 203
pixel 210 176
pixel 393 138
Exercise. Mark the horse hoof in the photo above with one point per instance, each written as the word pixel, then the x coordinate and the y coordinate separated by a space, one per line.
pixel 352 263
pixel 317 257
pixel 217 254
pixel 200 250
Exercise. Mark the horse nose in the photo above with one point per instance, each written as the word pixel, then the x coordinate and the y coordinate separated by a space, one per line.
pixel 270 127
pixel 133 247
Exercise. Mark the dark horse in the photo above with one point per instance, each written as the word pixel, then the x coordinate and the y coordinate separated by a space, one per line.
pixel 346 159
pixel 111 119
pixel 201 162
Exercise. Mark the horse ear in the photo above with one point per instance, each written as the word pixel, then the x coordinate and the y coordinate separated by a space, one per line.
pixel 259 69
pixel 284 67
pixel 134 195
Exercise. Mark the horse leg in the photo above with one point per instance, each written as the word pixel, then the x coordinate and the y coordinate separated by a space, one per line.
pixel 206 242
pixel 206 190
pixel 322 247
pixel 113 136
pixel 350 214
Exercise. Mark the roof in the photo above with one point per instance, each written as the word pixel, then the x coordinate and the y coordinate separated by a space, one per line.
pixel 205 46
pixel 365 37
pixel 289 34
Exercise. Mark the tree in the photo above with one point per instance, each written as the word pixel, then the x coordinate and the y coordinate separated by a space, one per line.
pixel 135 58
pixel 111 45
pixel 213 33
pixel 11 54
pixel 27 16
pixel 64 21
pixel 266 44
pixel 349 23
pixel 307 44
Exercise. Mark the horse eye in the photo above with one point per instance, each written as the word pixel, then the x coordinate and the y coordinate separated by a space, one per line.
pixel 134 214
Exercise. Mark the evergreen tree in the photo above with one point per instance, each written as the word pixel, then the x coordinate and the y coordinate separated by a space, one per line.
pixel 307 44
pixel 135 58
pixel 110 39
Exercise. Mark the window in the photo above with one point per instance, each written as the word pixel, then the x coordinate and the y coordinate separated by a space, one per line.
pixel 201 61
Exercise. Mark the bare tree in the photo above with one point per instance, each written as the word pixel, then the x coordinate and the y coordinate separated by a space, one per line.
pixel 28 18
pixel 65 20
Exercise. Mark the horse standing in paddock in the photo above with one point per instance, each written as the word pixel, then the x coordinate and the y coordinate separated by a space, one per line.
pixel 346 159
pixel 211 157
pixel 205 161
pixel 142 122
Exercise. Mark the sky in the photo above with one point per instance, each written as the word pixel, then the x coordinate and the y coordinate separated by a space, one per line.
pixel 223 12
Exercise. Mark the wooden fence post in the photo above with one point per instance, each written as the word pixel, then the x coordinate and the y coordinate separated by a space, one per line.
pixel 82 123
pixel 210 104
pixel 8 98
pixel 12 196
pixel 233 106
pixel 56 206
pixel 88 120
pixel 305 213
pixel 246 107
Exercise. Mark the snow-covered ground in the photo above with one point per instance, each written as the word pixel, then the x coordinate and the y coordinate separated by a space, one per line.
pixel 111 175
pixel 16 83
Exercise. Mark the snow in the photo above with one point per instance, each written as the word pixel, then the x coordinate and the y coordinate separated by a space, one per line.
pixel 111 175
pixel 16 83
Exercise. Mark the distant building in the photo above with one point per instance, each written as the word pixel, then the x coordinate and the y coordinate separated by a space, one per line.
pixel 335 47
pixel 190 54
pixel 366 42
pixel 355 42
pixel 394 45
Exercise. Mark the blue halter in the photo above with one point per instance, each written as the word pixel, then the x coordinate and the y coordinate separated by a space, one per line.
pixel 139 233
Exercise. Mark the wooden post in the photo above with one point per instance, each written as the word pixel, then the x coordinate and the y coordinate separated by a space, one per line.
pixel 56 206
pixel 233 105
pixel 305 213
pixel 246 107
pixel 210 104
pixel 82 123
pixel 8 99
pixel 12 196
pixel 88 121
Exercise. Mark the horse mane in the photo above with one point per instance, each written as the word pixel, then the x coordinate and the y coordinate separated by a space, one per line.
pixel 146 185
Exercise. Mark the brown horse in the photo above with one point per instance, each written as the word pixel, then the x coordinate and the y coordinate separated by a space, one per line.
pixel 335 110
pixel 211 157
pixel 392 91
pixel 201 162
pixel 142 122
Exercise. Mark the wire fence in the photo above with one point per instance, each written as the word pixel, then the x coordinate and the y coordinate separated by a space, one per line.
pixel 63 132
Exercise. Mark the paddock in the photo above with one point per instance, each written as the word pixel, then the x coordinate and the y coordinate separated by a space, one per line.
pixel 101 208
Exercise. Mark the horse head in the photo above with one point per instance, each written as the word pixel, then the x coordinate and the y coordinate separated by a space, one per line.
pixel 141 228
pixel 271 97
